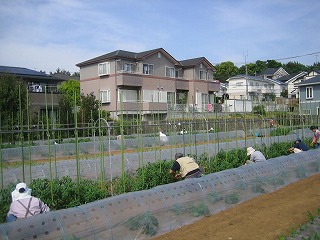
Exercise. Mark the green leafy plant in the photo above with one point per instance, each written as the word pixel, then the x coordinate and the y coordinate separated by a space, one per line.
pixel 232 198
pixel 214 197
pixel 199 209
pixel 148 223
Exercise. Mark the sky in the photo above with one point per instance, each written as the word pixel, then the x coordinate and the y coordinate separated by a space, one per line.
pixel 49 34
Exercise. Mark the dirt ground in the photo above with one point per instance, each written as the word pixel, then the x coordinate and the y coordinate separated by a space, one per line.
pixel 267 216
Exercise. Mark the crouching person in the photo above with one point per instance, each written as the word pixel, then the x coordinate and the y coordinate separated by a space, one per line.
pixel 24 205
pixel 186 166
pixel 255 156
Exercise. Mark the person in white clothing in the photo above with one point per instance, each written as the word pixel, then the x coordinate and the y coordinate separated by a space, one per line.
pixel 24 205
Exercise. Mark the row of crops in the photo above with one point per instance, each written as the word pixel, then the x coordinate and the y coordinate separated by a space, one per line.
pixel 155 208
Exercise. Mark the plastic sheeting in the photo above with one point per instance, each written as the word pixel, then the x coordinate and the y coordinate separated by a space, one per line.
pixel 90 164
pixel 143 214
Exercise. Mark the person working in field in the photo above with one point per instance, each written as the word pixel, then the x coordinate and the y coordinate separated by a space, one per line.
pixel 316 137
pixel 24 205
pixel 186 166
pixel 255 156
pixel 298 146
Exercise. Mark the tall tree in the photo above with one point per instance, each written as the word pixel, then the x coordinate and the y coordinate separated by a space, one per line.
pixel 251 68
pixel 294 67
pixel 225 70
pixel 13 92
pixel 70 97
pixel 273 64
pixel 260 66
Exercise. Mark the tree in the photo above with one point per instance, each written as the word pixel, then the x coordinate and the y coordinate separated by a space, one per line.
pixel 225 70
pixel 260 66
pixel 294 67
pixel 284 93
pixel 251 69
pixel 70 97
pixel 273 64
pixel 13 92
pixel 71 89
pixel 314 67
pixel 89 108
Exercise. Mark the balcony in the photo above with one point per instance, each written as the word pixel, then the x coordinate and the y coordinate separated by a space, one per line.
pixel 259 89
pixel 182 84
pixel 129 79
pixel 213 86
pixel 41 88
pixel 143 106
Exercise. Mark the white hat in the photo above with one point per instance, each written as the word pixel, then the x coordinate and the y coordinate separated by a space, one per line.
pixel 16 194
pixel 250 150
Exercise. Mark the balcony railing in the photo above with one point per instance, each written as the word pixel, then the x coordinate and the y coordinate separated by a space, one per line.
pixel 41 88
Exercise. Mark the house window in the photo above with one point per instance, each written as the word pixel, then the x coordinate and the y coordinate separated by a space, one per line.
pixel 128 67
pixel 154 96
pixel 309 92
pixel 159 54
pixel 105 96
pixel 127 95
pixel 203 75
pixel 170 72
pixel 239 84
pixel 104 68
pixel 148 69
pixel 318 111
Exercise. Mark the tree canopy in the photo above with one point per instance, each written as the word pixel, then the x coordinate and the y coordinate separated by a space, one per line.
pixel 225 70
pixel 13 92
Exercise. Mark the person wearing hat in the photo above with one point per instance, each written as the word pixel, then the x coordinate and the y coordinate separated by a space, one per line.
pixel 24 205
pixel 298 146
pixel 186 166
pixel 255 156
pixel 316 137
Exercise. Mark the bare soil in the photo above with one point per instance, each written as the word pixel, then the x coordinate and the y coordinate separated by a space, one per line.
pixel 267 216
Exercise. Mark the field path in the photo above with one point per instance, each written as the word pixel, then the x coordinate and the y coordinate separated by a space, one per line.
pixel 264 217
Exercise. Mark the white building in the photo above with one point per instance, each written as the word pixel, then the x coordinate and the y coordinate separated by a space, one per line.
pixel 253 88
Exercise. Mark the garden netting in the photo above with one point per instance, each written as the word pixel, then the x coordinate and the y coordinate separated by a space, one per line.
pixel 92 163
pixel 143 214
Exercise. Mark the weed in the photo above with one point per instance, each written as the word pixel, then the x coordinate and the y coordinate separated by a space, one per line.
pixel 310 216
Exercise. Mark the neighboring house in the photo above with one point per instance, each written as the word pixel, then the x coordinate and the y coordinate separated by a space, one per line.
pixel 253 88
pixel 310 96
pixel 65 76
pixel 273 73
pixel 290 82
pixel 312 74
pixel 150 82
pixel 37 83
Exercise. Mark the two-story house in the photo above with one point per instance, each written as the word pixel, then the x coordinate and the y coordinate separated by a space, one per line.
pixel 310 96
pixel 273 73
pixel 39 86
pixel 147 83
pixel 253 88
pixel 290 82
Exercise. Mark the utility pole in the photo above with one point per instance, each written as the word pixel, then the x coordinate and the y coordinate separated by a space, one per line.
pixel 245 64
